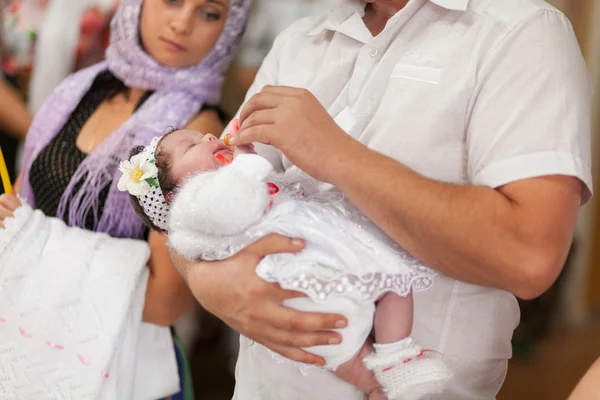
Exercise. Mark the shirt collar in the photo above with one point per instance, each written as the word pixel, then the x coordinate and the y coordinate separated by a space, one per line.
pixel 460 5
pixel 349 7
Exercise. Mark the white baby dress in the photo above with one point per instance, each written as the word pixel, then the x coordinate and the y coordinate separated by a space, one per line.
pixel 345 267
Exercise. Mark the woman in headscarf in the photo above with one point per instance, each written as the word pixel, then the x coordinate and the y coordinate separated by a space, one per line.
pixel 164 69
pixel 43 42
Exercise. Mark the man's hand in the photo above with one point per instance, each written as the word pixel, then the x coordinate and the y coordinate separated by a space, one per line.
pixel 231 290
pixel 293 121
pixel 8 204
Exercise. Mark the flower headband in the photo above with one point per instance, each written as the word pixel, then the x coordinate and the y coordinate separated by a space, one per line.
pixel 140 179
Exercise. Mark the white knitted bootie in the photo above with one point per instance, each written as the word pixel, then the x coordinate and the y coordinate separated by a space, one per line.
pixel 406 371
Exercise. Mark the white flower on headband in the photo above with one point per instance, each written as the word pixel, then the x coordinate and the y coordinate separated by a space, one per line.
pixel 139 175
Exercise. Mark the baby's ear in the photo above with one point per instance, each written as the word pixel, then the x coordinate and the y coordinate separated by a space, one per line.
pixel 170 196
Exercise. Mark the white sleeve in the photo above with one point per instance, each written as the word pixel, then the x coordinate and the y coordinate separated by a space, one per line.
pixel 531 110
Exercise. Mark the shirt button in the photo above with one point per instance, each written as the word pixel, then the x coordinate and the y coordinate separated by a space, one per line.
pixel 249 342
pixel 373 52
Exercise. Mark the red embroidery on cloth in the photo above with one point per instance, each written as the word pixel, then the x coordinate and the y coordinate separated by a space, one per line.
pixel 421 354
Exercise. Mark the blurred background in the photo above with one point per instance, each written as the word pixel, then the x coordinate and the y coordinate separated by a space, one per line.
pixel 559 336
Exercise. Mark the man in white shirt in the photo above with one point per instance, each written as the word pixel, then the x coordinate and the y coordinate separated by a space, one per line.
pixel 462 129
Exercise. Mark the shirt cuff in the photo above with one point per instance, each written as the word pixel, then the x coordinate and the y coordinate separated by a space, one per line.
pixel 535 165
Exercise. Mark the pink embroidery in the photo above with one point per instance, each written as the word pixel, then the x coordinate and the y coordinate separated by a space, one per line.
pixel 83 360
pixel 54 345
pixel 25 333
pixel 406 361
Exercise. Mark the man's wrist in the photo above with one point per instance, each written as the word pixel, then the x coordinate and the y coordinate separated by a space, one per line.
pixel 183 265
pixel 348 154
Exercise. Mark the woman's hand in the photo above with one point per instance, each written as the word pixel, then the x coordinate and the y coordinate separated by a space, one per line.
pixel 231 290
pixel 293 121
pixel 8 204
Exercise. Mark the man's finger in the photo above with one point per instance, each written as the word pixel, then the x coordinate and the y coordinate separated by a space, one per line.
pixel 273 244
pixel 258 133
pixel 293 353
pixel 298 339
pixel 260 101
pixel 287 318
pixel 258 117
pixel 287 91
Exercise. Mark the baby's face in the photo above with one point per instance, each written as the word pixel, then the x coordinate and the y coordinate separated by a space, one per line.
pixel 191 152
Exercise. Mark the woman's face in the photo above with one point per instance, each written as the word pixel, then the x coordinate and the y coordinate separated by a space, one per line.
pixel 180 33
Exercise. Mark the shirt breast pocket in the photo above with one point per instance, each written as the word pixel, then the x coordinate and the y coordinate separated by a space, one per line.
pixel 413 89
pixel 415 73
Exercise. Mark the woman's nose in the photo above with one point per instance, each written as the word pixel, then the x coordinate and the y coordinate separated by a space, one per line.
pixel 181 22
pixel 209 137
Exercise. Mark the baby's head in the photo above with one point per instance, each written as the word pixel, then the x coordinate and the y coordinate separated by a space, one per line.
pixel 153 173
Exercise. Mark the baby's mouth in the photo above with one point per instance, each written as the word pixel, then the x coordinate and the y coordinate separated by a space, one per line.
pixel 224 156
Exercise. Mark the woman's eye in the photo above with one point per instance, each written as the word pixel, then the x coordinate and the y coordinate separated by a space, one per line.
pixel 172 2
pixel 209 14
pixel 212 16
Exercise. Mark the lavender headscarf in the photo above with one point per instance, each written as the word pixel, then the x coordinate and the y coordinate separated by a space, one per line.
pixel 178 95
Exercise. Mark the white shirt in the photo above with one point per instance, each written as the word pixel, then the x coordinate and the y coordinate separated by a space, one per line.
pixel 480 92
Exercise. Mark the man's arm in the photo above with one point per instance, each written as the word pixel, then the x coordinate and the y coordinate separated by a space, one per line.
pixel 516 237
pixel 231 290
pixel 526 155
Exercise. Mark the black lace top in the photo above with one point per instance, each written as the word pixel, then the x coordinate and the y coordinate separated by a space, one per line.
pixel 56 164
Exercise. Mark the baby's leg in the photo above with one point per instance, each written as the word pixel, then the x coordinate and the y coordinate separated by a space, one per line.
pixel 393 318
pixel 404 370
pixel 356 373
pixel 393 322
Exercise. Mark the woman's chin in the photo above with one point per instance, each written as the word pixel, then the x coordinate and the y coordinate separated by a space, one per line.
pixel 171 60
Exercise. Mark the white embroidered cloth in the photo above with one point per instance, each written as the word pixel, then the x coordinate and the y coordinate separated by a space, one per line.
pixel 70 316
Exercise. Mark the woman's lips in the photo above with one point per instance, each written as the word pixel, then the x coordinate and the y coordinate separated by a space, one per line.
pixel 173 46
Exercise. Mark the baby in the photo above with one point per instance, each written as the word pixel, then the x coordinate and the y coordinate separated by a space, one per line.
pixel 190 186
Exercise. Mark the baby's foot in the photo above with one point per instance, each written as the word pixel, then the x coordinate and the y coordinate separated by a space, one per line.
pixel 407 372
pixel 377 395
pixel 356 373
